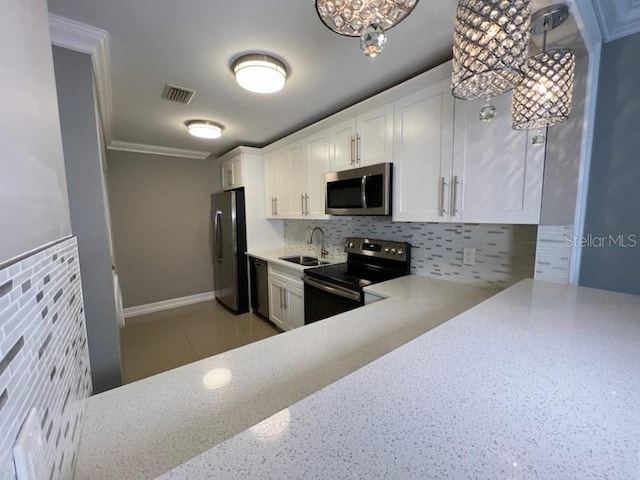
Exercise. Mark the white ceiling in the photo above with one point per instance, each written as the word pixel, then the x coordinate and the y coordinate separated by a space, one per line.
pixel 192 43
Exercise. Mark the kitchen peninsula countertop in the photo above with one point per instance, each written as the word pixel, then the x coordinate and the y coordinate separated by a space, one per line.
pixel 144 429
pixel 539 382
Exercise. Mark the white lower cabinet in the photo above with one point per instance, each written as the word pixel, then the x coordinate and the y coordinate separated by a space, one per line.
pixel 286 297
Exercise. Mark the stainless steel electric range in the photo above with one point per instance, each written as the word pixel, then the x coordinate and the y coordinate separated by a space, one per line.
pixel 338 288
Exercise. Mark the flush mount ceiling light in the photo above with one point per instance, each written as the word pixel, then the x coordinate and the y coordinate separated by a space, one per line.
pixel 367 19
pixel 490 47
pixel 260 73
pixel 204 129
pixel 544 98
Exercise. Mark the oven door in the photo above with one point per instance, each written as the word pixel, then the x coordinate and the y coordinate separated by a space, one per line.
pixel 323 300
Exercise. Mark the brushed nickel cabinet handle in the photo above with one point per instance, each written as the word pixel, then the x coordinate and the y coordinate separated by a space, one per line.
pixel 358 149
pixel 353 150
pixel 443 184
pixel 454 196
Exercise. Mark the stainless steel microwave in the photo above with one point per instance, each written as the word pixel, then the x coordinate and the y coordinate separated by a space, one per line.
pixel 360 191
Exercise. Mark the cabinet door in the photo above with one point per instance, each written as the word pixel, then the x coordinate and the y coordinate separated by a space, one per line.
pixel 237 171
pixel 277 299
pixel 343 146
pixel 232 173
pixel 374 136
pixel 295 305
pixel 499 172
pixel 423 144
pixel 282 184
pixel 270 183
pixel 276 176
pixel 225 175
pixel 298 180
pixel 317 151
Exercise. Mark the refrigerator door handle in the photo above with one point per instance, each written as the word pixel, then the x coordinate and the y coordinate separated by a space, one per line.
pixel 218 235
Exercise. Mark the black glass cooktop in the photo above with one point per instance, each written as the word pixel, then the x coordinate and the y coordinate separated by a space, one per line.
pixel 353 277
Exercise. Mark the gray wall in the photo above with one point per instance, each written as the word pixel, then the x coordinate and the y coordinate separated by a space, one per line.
pixel 562 162
pixel 33 193
pixel 614 186
pixel 80 137
pixel 160 217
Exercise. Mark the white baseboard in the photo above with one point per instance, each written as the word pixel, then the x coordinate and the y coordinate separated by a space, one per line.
pixel 167 304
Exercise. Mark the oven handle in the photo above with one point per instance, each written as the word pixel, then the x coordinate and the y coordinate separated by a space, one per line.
pixel 333 289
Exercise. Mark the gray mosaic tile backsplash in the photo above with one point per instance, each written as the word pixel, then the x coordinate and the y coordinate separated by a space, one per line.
pixel 505 254
pixel 553 253
pixel 44 360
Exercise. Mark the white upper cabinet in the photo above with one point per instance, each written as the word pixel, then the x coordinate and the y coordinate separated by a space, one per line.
pixel 276 169
pixel 343 146
pixel 422 153
pixel 364 140
pixel 232 173
pixel 374 136
pixel 298 180
pixel 295 178
pixel 448 165
pixel 317 150
pixel 499 173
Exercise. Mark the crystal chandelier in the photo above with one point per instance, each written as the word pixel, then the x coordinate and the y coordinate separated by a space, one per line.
pixel 367 19
pixel 544 97
pixel 490 47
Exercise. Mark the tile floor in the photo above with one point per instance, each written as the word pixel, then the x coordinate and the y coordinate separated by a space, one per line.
pixel 160 341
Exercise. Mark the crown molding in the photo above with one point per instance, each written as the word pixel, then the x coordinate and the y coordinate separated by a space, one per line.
pixel 238 150
pixel 617 18
pixel 72 35
pixel 120 146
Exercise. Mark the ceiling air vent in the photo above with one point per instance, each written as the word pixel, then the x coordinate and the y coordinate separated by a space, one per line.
pixel 177 94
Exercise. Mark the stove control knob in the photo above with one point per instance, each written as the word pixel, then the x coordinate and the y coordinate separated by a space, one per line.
pixel 350 245
pixel 386 250
pixel 400 251
pixel 393 250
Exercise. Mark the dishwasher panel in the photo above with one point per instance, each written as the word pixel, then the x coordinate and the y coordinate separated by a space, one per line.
pixel 259 287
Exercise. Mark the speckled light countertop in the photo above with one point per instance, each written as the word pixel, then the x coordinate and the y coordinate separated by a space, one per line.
pixel 146 428
pixel 541 381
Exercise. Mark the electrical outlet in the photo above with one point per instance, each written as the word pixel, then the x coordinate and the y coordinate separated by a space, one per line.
pixel 29 449
pixel 469 256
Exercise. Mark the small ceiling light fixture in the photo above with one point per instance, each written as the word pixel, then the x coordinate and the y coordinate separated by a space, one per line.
pixel 490 47
pixel 260 73
pixel 204 129
pixel 366 19
pixel 544 98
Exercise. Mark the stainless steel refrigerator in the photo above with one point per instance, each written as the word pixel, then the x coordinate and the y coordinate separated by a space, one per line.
pixel 229 248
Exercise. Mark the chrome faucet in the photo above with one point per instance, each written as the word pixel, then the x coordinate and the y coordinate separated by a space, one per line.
pixel 323 251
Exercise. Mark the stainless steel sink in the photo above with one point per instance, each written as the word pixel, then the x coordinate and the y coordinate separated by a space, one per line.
pixel 304 261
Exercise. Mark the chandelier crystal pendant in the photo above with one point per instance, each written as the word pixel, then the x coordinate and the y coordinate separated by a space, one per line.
pixel 367 19
pixel 490 47
pixel 545 96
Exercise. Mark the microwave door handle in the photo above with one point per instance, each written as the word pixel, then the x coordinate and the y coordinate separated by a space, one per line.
pixel 363 191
